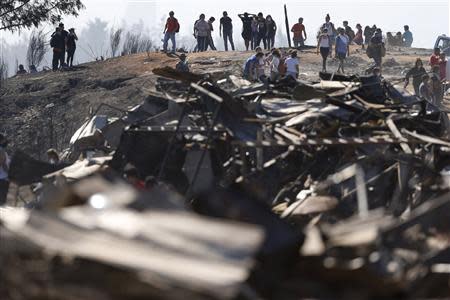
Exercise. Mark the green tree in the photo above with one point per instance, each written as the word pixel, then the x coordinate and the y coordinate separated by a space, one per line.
pixel 18 14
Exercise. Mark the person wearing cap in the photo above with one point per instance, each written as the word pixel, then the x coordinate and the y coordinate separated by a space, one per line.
pixel 71 46
pixel 4 169
pixel 247 20
pixel 182 65
pixel 170 30
pixel 226 30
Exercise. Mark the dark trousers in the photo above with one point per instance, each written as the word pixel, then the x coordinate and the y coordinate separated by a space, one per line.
pixel 70 55
pixel 4 185
pixel 228 36
pixel 262 37
pixel 58 59
pixel 324 52
pixel 270 40
pixel 210 43
pixel 202 43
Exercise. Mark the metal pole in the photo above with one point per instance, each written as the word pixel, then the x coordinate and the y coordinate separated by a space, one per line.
pixel 288 32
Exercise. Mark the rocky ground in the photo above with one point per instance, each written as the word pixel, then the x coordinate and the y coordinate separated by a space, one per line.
pixel 43 110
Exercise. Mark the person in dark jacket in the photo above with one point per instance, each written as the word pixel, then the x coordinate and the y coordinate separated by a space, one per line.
pixel 226 30
pixel 416 73
pixel 262 31
pixel 71 46
pixel 271 31
pixel 246 19
pixel 58 43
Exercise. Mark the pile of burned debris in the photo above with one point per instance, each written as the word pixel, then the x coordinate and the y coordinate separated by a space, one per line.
pixel 226 189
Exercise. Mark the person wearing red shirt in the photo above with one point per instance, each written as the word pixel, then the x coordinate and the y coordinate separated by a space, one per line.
pixel 435 58
pixel 171 29
pixel 299 33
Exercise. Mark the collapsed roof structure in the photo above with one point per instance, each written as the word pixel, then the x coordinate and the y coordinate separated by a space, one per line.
pixel 289 190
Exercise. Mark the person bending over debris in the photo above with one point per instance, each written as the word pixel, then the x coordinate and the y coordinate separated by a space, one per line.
pixel 275 65
pixel 342 49
pixel 271 31
pixel 435 57
pixel 182 65
pixel 71 46
pixel 416 73
pixel 170 30
pixel 425 89
pixel 299 31
pixel 324 46
pixel 21 70
pixel 251 67
pixel 201 30
pixel 226 30
pixel 210 41
pixel 247 20
pixel 407 37
pixel 4 169
pixel 292 65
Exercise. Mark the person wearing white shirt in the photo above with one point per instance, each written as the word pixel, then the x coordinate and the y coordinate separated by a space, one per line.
pixel 4 169
pixel 292 65
pixel 275 65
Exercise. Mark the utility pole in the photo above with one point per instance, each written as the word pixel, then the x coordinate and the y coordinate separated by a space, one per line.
pixel 288 32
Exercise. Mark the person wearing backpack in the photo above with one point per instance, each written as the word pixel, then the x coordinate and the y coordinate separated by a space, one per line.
pixel 171 29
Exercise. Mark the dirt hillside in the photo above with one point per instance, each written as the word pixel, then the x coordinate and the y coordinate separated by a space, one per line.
pixel 43 110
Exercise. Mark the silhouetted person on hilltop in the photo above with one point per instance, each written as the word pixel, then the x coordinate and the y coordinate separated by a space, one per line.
pixel 21 70
pixel 201 30
pixel 247 20
pixel 226 29
pixel 271 32
pixel 57 42
pixel 170 30
pixel 210 41
pixel 71 46
pixel 299 33
pixel 407 37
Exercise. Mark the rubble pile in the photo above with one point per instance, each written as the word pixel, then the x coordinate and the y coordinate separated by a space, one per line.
pixel 334 189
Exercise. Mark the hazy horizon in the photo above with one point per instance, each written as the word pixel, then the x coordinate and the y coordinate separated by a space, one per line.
pixel 426 19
